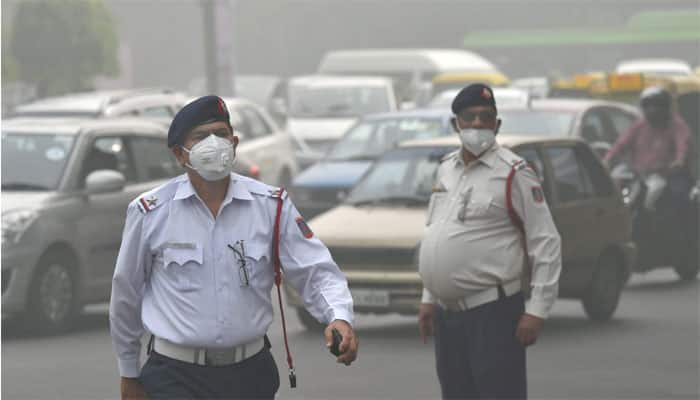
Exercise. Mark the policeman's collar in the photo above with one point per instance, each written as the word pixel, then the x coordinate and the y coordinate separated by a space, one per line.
pixel 488 158
pixel 237 189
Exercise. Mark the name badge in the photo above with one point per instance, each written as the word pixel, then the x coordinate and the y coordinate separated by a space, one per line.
pixel 179 245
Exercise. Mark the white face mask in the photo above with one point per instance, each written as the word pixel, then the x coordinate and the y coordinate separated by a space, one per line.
pixel 477 141
pixel 212 158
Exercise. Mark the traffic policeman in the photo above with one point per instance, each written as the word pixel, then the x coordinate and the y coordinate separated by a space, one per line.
pixel 474 259
pixel 195 270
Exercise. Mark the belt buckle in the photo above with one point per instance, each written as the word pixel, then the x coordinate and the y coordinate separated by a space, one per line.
pixel 219 357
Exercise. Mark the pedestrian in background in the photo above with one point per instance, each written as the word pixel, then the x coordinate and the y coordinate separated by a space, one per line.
pixel 195 269
pixel 487 222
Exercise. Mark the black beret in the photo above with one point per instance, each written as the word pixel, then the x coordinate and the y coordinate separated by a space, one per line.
pixel 203 110
pixel 476 94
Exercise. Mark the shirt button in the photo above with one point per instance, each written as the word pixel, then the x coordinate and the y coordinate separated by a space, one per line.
pixel 219 340
pixel 221 319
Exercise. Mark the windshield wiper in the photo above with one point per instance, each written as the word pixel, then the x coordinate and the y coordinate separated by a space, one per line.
pixel 406 200
pixel 22 186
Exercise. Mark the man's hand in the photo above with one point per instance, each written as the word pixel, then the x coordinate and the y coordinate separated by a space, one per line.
pixel 132 389
pixel 425 321
pixel 528 330
pixel 348 347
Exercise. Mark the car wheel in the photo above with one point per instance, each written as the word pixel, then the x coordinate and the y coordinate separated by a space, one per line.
pixel 603 295
pixel 688 269
pixel 308 320
pixel 53 300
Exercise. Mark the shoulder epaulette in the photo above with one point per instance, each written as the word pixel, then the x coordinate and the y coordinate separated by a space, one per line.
pixel 259 188
pixel 154 198
pixel 449 156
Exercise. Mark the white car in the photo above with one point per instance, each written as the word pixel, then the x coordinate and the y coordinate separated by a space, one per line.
pixel 150 103
pixel 505 97
pixel 66 184
pixel 263 142
pixel 655 66
pixel 320 108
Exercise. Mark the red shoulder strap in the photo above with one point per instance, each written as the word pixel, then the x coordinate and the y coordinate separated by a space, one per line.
pixel 515 218
pixel 278 282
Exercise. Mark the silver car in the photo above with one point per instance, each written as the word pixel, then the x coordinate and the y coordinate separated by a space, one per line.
pixel 65 188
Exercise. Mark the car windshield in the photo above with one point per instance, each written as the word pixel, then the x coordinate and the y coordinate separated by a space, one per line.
pixel 34 161
pixel 403 176
pixel 336 101
pixel 371 138
pixel 536 122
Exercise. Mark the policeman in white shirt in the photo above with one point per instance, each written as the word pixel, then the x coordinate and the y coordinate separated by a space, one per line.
pixel 487 223
pixel 195 269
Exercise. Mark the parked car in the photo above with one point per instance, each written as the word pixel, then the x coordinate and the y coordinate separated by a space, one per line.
pixel 66 184
pixel 412 70
pixel 320 108
pixel 597 122
pixel 324 185
pixel 150 103
pixel 263 143
pixel 375 235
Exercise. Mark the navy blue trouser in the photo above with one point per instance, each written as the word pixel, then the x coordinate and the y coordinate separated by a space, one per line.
pixel 477 353
pixel 254 378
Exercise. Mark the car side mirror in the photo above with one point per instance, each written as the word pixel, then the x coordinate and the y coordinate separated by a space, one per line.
pixel 104 181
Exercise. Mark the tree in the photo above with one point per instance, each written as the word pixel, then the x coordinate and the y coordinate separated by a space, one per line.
pixel 62 45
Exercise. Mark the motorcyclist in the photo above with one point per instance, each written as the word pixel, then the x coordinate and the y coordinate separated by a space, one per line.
pixel 657 145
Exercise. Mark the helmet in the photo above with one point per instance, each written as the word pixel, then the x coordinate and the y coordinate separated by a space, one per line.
pixel 655 96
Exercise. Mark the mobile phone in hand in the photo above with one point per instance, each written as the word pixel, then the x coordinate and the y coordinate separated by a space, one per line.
pixel 337 339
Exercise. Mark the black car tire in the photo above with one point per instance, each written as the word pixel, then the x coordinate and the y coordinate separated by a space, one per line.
pixel 309 322
pixel 603 295
pixel 53 296
pixel 688 269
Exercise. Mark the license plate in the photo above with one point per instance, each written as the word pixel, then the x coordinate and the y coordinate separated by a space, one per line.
pixel 370 298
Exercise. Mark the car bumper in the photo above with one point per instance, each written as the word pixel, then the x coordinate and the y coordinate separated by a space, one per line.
pixel 17 269
pixel 378 292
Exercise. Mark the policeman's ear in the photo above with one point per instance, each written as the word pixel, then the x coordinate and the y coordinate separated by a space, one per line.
pixel 453 122
pixel 179 154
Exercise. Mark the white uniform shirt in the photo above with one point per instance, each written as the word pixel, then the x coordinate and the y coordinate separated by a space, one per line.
pixel 177 277
pixel 470 242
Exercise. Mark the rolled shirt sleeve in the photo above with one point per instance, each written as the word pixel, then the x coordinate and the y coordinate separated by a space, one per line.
pixel 310 269
pixel 128 285
pixel 543 242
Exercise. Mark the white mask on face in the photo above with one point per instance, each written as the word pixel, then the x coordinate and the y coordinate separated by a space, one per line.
pixel 212 158
pixel 477 141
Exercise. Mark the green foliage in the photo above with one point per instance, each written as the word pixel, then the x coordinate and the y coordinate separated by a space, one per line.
pixel 61 45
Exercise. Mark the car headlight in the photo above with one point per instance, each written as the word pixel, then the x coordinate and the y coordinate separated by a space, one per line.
pixel 15 223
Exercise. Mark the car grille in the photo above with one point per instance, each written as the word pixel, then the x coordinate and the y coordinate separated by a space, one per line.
pixel 384 258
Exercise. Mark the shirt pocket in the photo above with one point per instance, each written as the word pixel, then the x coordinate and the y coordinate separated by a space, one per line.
pixel 259 266
pixel 479 206
pixel 436 207
pixel 184 267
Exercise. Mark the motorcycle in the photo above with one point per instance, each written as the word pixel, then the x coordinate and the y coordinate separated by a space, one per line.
pixel 667 234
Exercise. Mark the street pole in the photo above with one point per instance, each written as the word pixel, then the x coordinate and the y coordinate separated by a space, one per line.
pixel 210 54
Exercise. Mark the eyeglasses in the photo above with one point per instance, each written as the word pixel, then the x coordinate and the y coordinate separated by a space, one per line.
pixel 239 249
pixel 485 116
